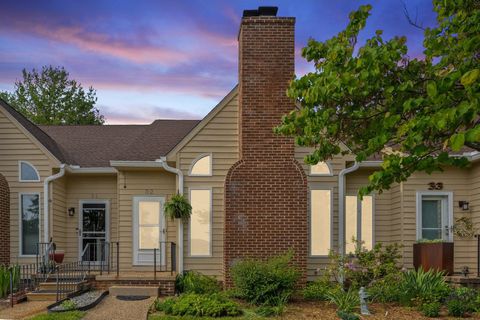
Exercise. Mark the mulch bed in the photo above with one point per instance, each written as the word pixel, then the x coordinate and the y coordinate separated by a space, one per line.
pixel 326 311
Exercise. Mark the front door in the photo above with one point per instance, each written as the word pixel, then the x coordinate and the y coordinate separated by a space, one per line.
pixel 148 230
pixel 435 221
pixel 93 230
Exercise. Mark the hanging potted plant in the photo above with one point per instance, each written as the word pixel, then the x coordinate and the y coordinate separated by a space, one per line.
pixel 178 207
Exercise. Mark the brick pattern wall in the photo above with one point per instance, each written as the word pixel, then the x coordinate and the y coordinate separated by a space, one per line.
pixel 4 221
pixel 266 191
pixel 166 286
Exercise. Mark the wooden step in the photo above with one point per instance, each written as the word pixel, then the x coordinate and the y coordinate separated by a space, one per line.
pixel 44 295
pixel 134 291
pixel 75 286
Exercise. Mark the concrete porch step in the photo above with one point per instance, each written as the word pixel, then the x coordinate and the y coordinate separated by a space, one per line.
pixel 134 291
pixel 44 295
pixel 74 285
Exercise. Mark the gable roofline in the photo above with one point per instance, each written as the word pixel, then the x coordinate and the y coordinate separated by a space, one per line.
pixel 172 153
pixel 34 133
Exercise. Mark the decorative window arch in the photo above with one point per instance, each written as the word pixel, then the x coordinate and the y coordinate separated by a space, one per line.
pixel 321 169
pixel 201 166
pixel 27 172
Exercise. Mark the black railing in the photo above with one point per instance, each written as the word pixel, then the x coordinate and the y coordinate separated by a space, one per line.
pixel 69 278
pixel 101 256
pixel 165 258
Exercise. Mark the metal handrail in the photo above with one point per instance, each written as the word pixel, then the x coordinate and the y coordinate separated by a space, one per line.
pixel 170 247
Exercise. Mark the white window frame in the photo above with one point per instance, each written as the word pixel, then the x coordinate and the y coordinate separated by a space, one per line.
pixel 81 202
pixel 210 247
pixel 20 233
pixel 201 156
pixel 135 226
pixel 449 208
pixel 359 218
pixel 20 171
pixel 329 174
pixel 319 187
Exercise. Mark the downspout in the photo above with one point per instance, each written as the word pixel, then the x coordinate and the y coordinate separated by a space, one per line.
pixel 179 173
pixel 341 206
pixel 46 196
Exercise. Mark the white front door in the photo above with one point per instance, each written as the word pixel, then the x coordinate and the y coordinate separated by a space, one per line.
pixel 434 216
pixel 148 230
pixel 93 230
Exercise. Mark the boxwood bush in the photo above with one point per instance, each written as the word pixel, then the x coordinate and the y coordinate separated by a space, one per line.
pixel 199 305
pixel 270 282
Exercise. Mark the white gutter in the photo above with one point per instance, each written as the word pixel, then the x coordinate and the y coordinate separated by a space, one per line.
pixel 341 206
pixel 179 173
pixel 46 200
pixel 78 169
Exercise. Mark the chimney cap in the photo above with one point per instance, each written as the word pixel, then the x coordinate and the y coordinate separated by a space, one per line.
pixel 261 11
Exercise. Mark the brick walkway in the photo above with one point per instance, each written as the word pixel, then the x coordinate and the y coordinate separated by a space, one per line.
pixel 112 308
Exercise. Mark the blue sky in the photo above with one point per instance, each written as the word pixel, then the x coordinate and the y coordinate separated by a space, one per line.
pixel 154 59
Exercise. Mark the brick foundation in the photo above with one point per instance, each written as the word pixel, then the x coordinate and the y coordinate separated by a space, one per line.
pixel 167 287
pixel 266 191
pixel 4 221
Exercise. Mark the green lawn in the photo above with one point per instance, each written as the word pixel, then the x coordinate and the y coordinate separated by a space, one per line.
pixel 72 315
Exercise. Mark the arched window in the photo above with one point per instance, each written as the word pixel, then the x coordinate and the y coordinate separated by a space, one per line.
pixel 321 169
pixel 27 172
pixel 201 166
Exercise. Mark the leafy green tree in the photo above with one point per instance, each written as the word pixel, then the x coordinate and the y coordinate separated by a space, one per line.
pixel 50 97
pixel 376 100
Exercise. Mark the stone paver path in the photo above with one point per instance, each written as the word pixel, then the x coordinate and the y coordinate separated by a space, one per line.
pixel 112 308
pixel 24 310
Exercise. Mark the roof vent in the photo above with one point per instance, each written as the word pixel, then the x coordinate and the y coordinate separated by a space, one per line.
pixel 261 11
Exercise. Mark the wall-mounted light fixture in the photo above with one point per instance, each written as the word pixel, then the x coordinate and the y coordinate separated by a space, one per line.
pixel 71 212
pixel 464 205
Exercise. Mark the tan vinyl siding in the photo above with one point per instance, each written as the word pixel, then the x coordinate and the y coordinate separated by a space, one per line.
pixel 157 183
pixel 16 145
pixel 220 138
pixel 59 216
pixel 88 187
pixel 454 180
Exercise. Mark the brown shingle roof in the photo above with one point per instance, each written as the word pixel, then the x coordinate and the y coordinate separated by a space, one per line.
pixel 96 145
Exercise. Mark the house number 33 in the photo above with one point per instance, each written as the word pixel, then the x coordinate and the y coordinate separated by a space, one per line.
pixel 435 186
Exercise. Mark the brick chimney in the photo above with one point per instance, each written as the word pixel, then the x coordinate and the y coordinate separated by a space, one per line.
pixel 266 190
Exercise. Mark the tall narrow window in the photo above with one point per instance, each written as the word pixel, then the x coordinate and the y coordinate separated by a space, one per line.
pixel 200 222
pixel 202 166
pixel 320 222
pixel 29 227
pixel 27 172
pixel 358 222
pixel 320 169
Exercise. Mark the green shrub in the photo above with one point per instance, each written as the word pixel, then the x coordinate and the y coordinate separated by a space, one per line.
pixel 195 282
pixel 270 282
pixel 386 289
pixel 347 316
pixel 431 310
pixel 69 305
pixel 364 266
pixel 197 305
pixel 270 311
pixel 456 308
pixel 462 300
pixel 318 289
pixel 418 287
pixel 346 301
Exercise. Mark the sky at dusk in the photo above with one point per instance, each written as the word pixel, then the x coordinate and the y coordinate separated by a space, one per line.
pixel 151 59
